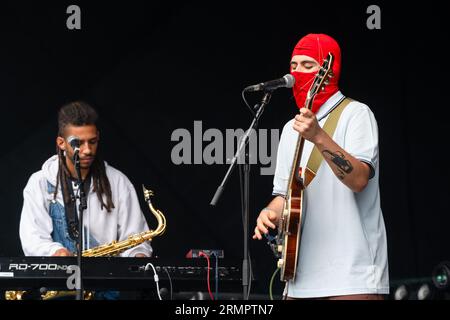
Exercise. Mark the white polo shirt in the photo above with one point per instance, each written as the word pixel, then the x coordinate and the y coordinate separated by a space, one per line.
pixel 343 246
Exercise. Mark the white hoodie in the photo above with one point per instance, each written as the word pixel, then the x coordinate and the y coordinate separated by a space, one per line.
pixel 124 220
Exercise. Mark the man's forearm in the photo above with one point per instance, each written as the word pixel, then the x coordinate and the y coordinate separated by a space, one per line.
pixel 352 172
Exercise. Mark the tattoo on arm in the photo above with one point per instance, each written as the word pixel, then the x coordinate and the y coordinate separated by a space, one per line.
pixel 343 165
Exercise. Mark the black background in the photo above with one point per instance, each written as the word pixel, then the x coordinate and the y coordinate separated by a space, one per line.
pixel 152 67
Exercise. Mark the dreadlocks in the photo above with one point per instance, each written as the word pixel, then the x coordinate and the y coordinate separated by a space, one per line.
pixel 80 114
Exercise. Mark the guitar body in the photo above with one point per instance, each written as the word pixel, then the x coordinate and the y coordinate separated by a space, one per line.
pixel 291 221
pixel 291 226
pixel 291 231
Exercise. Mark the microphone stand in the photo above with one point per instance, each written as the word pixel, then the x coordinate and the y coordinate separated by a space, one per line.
pixel 81 208
pixel 246 187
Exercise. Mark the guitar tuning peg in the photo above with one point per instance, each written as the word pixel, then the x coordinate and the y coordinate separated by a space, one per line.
pixel 323 88
pixel 326 82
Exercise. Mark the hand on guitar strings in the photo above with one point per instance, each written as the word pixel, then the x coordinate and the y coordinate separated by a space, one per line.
pixel 307 125
pixel 266 219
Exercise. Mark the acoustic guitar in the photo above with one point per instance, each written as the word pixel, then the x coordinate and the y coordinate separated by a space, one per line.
pixel 289 229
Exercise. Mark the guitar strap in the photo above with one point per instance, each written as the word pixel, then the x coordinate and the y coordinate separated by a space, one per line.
pixel 316 158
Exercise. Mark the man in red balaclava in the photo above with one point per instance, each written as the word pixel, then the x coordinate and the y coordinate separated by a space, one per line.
pixel 343 251
pixel 307 57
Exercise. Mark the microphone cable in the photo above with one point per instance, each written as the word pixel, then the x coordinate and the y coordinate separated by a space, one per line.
pixel 155 277
pixel 170 281
pixel 246 103
pixel 202 254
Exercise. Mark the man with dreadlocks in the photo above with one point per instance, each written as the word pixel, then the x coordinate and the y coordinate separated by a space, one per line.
pixel 48 221
pixel 343 251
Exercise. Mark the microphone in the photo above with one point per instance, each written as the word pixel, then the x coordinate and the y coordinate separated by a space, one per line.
pixel 74 142
pixel 286 82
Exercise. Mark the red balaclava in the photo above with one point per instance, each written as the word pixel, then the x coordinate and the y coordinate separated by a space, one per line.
pixel 316 46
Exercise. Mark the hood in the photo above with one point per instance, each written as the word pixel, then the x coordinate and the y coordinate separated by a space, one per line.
pixel 50 169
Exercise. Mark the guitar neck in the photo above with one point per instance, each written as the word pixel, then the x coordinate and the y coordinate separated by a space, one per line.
pixel 295 177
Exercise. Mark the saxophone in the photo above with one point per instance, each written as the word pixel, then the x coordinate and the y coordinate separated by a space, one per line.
pixel 108 250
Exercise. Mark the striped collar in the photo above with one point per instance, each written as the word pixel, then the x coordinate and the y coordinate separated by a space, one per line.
pixel 329 105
